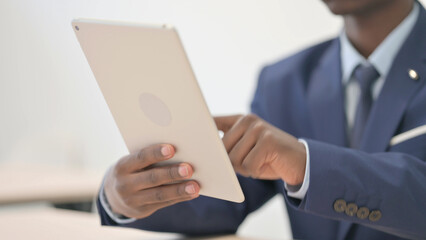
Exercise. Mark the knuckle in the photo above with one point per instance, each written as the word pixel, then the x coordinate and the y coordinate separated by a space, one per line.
pixel 258 126
pixel 251 117
pixel 153 177
pixel 159 196
pixel 141 155
pixel 245 120
pixel 173 173
pixel 266 135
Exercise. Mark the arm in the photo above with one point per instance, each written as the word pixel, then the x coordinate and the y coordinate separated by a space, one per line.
pixel 204 215
pixel 388 188
pixel 393 183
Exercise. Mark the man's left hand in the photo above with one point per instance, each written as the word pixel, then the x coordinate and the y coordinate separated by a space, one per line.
pixel 260 150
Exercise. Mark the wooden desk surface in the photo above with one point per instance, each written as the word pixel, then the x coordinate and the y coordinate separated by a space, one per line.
pixel 55 224
pixel 28 183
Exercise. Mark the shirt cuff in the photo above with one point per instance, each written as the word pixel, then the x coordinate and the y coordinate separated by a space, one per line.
pixel 118 218
pixel 299 192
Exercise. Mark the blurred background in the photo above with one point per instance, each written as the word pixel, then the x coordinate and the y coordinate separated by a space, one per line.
pixel 53 115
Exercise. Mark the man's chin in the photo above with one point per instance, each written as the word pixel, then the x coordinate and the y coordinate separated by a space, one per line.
pixel 356 7
pixel 341 7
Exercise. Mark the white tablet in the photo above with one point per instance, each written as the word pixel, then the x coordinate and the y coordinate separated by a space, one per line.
pixel 151 91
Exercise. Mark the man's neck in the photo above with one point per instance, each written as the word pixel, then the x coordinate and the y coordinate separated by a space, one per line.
pixel 367 29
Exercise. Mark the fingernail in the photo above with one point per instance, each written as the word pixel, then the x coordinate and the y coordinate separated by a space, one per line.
pixel 190 189
pixel 183 171
pixel 166 151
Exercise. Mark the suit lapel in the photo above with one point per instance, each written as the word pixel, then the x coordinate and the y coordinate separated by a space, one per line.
pixel 326 99
pixel 397 90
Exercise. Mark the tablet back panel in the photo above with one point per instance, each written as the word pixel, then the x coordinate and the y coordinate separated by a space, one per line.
pixel 152 93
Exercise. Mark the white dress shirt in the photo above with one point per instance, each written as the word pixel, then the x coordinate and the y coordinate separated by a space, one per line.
pixel 382 59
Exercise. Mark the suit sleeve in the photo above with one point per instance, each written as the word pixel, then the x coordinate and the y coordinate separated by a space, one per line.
pixel 204 215
pixel 393 184
pixel 388 189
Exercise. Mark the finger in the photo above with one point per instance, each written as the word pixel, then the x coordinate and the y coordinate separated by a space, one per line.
pixel 161 175
pixel 243 147
pixel 145 157
pixel 252 163
pixel 224 123
pixel 168 193
pixel 237 131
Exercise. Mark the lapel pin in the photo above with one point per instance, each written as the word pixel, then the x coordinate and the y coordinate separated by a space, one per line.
pixel 413 74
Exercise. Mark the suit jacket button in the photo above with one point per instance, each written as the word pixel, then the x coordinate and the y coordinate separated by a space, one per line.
pixel 363 213
pixel 339 205
pixel 351 209
pixel 375 215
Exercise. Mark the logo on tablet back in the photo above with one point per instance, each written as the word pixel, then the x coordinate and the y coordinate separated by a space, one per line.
pixel 155 109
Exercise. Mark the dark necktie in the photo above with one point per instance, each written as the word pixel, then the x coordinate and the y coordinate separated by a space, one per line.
pixel 365 76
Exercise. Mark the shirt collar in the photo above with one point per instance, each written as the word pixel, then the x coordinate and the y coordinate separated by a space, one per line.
pixel 383 55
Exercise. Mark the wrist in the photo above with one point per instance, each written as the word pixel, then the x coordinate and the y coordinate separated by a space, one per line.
pixel 108 191
pixel 300 191
pixel 299 164
pixel 106 206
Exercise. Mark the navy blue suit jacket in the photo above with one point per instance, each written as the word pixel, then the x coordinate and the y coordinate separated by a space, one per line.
pixel 303 96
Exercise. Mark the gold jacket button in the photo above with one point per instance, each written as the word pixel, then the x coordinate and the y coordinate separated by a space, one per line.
pixel 339 205
pixel 375 215
pixel 363 213
pixel 351 209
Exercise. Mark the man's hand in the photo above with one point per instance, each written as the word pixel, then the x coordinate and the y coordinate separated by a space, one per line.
pixel 134 188
pixel 260 150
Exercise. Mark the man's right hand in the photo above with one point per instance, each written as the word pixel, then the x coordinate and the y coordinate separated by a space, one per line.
pixel 136 189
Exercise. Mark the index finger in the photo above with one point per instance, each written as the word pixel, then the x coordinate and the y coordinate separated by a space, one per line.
pixel 224 123
pixel 144 158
